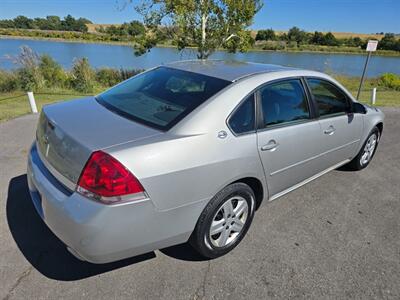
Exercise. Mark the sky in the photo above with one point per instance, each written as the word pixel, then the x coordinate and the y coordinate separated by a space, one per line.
pixel 361 16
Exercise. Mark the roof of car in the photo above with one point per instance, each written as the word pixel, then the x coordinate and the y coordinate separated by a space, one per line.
pixel 227 70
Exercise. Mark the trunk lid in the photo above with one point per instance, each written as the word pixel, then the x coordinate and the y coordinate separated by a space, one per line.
pixel 69 132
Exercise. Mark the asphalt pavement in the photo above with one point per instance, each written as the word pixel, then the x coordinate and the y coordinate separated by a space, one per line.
pixel 337 237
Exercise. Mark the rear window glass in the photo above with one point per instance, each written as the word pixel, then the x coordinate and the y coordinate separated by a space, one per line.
pixel 161 97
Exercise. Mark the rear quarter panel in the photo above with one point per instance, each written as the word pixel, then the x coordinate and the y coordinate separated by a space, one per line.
pixel 183 170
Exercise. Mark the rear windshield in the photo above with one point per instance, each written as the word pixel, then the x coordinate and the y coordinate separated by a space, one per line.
pixel 161 97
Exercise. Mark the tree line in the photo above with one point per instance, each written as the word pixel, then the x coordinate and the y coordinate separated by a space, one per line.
pixel 301 37
pixel 133 28
pixel 68 23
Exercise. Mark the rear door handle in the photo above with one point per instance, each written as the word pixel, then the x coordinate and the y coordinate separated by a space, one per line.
pixel 272 145
pixel 331 130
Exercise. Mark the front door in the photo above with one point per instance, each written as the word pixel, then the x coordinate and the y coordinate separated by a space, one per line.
pixel 288 137
pixel 340 129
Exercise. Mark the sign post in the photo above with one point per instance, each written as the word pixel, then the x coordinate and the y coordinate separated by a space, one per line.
pixel 371 47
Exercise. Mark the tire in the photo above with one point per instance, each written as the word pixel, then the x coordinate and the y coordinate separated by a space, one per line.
pixel 358 163
pixel 230 212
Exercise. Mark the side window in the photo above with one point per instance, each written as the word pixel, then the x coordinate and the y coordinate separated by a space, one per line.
pixel 330 99
pixel 284 102
pixel 243 119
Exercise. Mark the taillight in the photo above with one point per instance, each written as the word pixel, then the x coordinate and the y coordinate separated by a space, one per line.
pixel 105 179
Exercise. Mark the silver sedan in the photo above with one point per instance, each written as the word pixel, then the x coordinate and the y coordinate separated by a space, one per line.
pixel 187 152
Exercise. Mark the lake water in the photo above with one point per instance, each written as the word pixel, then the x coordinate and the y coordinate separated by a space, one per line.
pixel 116 56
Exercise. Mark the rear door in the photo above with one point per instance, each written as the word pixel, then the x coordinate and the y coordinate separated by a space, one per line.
pixel 340 128
pixel 288 134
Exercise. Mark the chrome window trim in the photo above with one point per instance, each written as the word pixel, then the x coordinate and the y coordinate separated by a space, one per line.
pixel 252 93
pixel 289 123
pixel 258 108
pixel 348 97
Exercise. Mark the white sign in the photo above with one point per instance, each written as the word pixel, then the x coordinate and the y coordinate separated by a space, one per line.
pixel 371 46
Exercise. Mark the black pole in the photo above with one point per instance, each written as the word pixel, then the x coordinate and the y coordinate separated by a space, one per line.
pixel 363 74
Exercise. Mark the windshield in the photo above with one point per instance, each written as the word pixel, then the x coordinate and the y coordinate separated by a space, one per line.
pixel 161 97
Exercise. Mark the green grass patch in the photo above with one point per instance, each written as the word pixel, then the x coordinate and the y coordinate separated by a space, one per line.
pixel 16 104
pixel 384 96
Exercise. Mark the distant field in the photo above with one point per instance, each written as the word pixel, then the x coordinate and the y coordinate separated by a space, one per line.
pixel 343 35
pixel 92 27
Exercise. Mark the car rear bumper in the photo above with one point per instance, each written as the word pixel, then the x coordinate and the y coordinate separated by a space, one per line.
pixel 101 233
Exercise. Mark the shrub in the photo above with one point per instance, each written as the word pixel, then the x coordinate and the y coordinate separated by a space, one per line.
pixel 108 77
pixel 82 76
pixel 274 45
pixel 29 74
pixel 53 74
pixel 265 35
pixel 390 80
pixel 126 74
pixel 8 81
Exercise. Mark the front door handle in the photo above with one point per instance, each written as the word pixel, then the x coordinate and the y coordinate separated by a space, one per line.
pixel 331 130
pixel 272 145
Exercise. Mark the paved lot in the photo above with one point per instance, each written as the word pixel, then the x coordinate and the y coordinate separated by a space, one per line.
pixel 337 237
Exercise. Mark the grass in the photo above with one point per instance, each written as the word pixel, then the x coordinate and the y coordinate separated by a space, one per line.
pixel 384 96
pixel 16 104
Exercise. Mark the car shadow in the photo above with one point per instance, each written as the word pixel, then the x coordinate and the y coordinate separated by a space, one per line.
pixel 183 252
pixel 47 254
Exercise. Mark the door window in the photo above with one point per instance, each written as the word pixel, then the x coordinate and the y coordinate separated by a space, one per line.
pixel 243 119
pixel 284 102
pixel 330 100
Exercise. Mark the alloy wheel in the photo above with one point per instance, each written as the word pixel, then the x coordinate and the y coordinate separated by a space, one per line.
pixel 228 222
pixel 369 149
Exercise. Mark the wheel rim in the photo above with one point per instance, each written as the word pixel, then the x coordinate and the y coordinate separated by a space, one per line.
pixel 369 149
pixel 228 222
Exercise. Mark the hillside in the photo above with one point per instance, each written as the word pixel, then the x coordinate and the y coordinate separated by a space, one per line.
pixel 92 27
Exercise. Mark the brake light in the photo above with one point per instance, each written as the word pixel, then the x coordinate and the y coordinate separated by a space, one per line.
pixel 106 179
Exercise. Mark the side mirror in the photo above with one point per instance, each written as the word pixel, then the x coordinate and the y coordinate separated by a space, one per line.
pixel 358 108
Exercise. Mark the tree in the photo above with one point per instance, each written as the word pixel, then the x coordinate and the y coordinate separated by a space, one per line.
pixel 265 35
pixel 204 24
pixel 23 22
pixel 355 42
pixel 7 24
pixel 317 38
pixel 327 39
pixel 389 42
pixel 53 22
pixel 135 28
pixel 330 40
pixel 297 35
